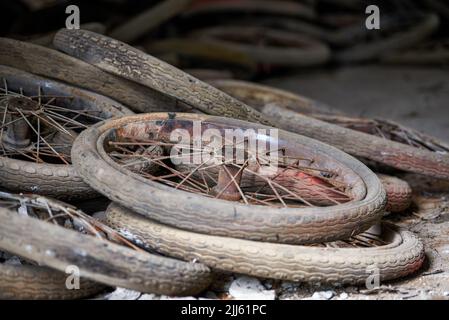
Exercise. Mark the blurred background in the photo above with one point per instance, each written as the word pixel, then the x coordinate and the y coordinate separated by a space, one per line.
pixel 321 49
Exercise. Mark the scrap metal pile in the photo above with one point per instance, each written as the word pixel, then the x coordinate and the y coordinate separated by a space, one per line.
pixel 85 115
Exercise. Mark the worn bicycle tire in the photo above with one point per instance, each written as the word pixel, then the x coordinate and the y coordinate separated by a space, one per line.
pixel 297 114
pixel 149 19
pixel 123 60
pixel 258 95
pixel 387 152
pixel 99 260
pixel 194 212
pixel 53 64
pixel 27 282
pixel 200 50
pixel 427 54
pixel 418 31
pixel 402 256
pixel 287 49
pixel 55 180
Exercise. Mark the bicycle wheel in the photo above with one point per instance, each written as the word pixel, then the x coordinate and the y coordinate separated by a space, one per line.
pixel 392 254
pixel 310 192
pixel 56 235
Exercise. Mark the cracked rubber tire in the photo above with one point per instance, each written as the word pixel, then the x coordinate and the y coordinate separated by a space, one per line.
pixel 403 255
pixel 39 283
pixel 228 218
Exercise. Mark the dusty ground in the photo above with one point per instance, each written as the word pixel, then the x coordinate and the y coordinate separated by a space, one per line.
pixel 416 97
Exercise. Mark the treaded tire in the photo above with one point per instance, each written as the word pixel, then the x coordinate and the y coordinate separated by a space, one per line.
pixel 402 256
pixel 55 180
pixel 228 218
pixel 39 283
pixel 97 259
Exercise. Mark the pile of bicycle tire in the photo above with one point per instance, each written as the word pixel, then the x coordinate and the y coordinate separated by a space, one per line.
pixel 86 116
